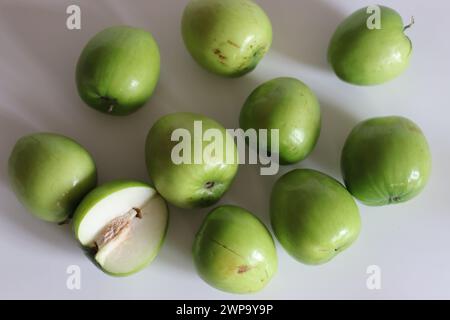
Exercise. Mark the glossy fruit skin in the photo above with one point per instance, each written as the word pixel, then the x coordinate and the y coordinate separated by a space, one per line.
pixel 184 185
pixel 50 174
pixel 228 38
pixel 364 56
pixel 288 105
pixel 90 200
pixel 234 252
pixel 313 216
pixel 118 70
pixel 385 161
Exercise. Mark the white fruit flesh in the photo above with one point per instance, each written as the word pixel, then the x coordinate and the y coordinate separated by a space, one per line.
pixel 127 227
pixel 116 232
pixel 140 243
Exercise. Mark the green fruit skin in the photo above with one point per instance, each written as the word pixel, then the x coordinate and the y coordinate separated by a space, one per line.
pixel 313 216
pixel 50 174
pixel 228 38
pixel 385 161
pixel 288 105
pixel 91 200
pixel 184 185
pixel 234 252
pixel 363 56
pixel 119 67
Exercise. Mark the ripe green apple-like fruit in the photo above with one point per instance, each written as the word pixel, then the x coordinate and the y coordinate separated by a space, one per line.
pixel 313 216
pixel 368 56
pixel 386 160
pixel 191 183
pixel 50 174
pixel 118 70
pixel 288 105
pixel 234 252
pixel 228 38
pixel 122 225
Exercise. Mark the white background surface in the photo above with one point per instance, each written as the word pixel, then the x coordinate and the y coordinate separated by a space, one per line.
pixel 410 242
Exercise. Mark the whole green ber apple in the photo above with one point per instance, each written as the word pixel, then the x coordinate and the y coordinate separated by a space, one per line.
pixel 50 174
pixel 288 105
pixel 190 184
pixel 313 216
pixel 229 37
pixel 368 56
pixel 118 70
pixel 385 161
pixel 122 225
pixel 234 252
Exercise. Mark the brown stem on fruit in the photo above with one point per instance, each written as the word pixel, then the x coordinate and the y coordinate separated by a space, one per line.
pixel 410 24
pixel 209 185
pixel 138 213
pixel 111 102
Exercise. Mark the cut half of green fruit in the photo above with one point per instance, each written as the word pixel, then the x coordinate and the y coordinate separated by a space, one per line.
pixel 123 223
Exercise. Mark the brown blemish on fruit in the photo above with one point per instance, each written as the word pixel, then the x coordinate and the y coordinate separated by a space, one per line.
pixel 243 269
pixel 218 53
pixel 233 44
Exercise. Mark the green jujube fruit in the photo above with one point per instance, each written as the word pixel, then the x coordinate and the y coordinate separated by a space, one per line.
pixel 288 105
pixel 185 182
pixel 234 252
pixel 50 174
pixel 386 160
pixel 121 226
pixel 313 216
pixel 118 70
pixel 228 38
pixel 361 54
